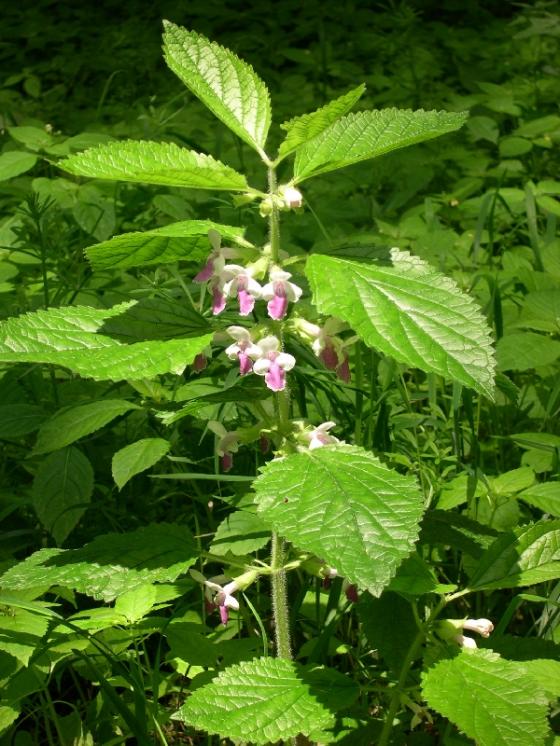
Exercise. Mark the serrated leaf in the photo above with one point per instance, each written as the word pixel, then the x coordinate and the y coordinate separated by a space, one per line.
pixel 156 318
pixel 368 134
pixel 69 337
pixel 347 507
pixel 20 419
pixel 71 424
pixel 493 701
pixel 111 564
pixel 14 163
pixel 391 640
pixel 267 700
pixel 137 457
pixel 184 241
pixel 531 554
pixel 187 642
pixel 240 533
pixel 410 312
pixel 146 162
pixel 307 126
pixel 228 86
pixel 62 490
pixel 137 603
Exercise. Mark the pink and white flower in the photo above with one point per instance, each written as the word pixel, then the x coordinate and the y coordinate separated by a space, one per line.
pixel 273 364
pixel 292 197
pixel 219 596
pixel 465 642
pixel 331 349
pixel 279 292
pixel 243 349
pixel 483 626
pixel 319 436
pixel 240 282
pixel 227 444
pixel 216 259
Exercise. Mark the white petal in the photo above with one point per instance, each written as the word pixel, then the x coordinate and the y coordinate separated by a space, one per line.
pixel 269 344
pixel 232 602
pixel 261 366
pixel 217 428
pixel 267 291
pixel 254 288
pixel 293 292
pixel 239 333
pixel 326 426
pixel 215 239
pixel 278 274
pixel 286 361
pixel 232 351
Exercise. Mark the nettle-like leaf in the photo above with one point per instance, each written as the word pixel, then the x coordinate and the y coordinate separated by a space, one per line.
pixel 62 490
pixel 344 505
pixel 240 533
pixel 228 86
pixel 492 700
pixel 530 554
pixel 111 564
pixel 20 419
pixel 20 633
pixel 307 126
pixel 410 312
pixel 71 424
pixel 368 134
pixel 146 162
pixel 184 241
pixel 69 337
pixel 137 457
pixel 267 700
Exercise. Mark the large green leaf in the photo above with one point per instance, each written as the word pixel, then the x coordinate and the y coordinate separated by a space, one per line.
pixel 71 424
pixel 137 457
pixel 21 632
pixel 410 312
pixel 494 701
pixel 19 419
pixel 307 126
pixel 367 134
pixel 187 241
pixel 531 554
pixel 68 337
pixel 228 86
pixel 62 490
pixel 111 564
pixel 545 495
pixel 344 505
pixel 240 533
pixel 154 163
pixel 15 162
pixel 526 351
pixel 268 700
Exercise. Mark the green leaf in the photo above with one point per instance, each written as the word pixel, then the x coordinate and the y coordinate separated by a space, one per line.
pixel 156 318
pixel 154 163
pixel 240 533
pixel 410 312
pixel 14 163
pixel 187 642
pixel 34 138
pixel 68 337
pixel 545 496
pixel 368 134
pixel 225 84
pixel 111 564
pixel 526 350
pixel 347 507
pixel 493 701
pixel 19 419
pixel 187 241
pixel 547 674
pixel 62 490
pixel 21 632
pixel 307 126
pixel 391 640
pixel 529 555
pixel 137 603
pixel 137 457
pixel 72 423
pixel 267 700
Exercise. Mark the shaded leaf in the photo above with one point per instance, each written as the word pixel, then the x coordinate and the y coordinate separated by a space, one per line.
pixel 240 533
pixel 14 163
pixel 137 457
pixel 526 350
pixel 20 419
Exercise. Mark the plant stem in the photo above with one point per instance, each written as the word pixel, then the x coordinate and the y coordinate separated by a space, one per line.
pixel 280 599
pixel 406 666
pixel 274 217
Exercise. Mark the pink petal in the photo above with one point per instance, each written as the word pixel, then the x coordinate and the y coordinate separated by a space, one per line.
pixel 226 461
pixel 352 594
pixel 200 362
pixel 218 301
pixel 275 378
pixel 224 614
pixel 277 307
pixel 264 444
pixel 343 370
pixel 206 272
pixel 245 363
pixel 246 302
pixel 329 357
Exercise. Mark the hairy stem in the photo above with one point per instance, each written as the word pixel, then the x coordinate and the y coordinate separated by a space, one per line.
pixel 280 599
